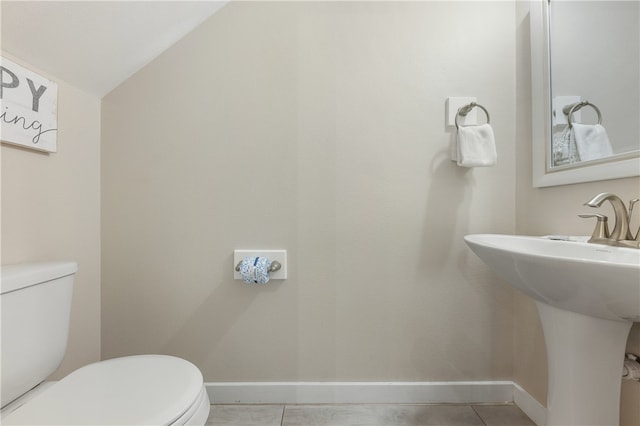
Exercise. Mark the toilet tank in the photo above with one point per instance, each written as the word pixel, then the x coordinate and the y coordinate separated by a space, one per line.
pixel 35 306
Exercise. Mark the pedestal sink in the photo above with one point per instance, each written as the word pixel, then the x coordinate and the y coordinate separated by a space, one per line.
pixel 588 296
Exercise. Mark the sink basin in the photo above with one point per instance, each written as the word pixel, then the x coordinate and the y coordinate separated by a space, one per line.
pixel 590 279
pixel 588 296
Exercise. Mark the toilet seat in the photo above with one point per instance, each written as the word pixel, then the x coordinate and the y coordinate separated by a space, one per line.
pixel 134 390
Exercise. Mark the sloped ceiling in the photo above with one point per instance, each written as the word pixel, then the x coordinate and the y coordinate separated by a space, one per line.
pixel 96 45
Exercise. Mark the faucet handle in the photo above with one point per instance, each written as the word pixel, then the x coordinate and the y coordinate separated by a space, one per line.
pixel 631 204
pixel 601 231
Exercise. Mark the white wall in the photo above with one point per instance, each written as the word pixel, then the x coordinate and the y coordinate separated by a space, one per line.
pixel 51 211
pixel 318 128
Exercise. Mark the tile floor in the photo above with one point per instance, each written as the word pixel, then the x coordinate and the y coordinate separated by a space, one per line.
pixel 368 415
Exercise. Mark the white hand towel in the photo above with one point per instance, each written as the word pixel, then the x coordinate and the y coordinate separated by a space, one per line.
pixel 591 140
pixel 476 146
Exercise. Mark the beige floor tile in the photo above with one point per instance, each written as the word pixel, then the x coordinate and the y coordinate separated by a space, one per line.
pixel 380 415
pixel 503 415
pixel 245 415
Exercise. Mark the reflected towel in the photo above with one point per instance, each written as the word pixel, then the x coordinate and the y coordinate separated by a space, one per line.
pixel 476 146
pixel 591 140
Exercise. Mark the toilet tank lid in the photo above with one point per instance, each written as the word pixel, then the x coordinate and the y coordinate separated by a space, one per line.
pixel 18 276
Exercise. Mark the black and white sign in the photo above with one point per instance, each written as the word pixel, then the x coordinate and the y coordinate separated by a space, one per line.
pixel 28 107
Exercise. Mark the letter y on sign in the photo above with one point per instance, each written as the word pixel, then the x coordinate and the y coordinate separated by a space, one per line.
pixel 28 108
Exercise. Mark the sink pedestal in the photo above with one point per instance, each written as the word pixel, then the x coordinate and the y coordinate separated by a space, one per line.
pixel 585 356
pixel 585 283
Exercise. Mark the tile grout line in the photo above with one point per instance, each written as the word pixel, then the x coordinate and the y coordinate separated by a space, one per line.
pixel 478 414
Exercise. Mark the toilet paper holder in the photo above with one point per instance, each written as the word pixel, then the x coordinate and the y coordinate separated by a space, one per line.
pixel 275 266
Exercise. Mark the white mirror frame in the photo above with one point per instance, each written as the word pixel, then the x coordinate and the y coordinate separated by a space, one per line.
pixel 619 166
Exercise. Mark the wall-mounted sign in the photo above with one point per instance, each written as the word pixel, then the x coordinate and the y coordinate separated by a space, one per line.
pixel 28 108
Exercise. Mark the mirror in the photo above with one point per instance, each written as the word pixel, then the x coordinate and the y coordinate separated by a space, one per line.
pixel 586 90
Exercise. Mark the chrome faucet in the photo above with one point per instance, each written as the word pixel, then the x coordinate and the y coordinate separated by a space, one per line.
pixel 621 234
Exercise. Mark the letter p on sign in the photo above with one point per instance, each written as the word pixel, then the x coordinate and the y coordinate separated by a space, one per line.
pixel 28 108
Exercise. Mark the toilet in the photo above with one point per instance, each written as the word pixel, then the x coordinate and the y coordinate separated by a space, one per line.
pixel 134 390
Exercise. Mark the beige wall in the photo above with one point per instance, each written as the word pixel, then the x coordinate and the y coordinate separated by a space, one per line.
pixel 51 211
pixel 552 210
pixel 317 128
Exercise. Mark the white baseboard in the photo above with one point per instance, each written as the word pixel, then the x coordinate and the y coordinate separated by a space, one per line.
pixel 487 392
pixel 529 405
pixel 359 392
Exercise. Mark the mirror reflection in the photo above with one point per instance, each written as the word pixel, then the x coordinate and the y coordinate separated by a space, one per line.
pixel 595 80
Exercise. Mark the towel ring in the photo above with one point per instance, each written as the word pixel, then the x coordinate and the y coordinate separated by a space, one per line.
pixel 464 110
pixel 570 109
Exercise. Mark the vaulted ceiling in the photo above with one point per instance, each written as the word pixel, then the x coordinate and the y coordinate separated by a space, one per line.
pixel 96 45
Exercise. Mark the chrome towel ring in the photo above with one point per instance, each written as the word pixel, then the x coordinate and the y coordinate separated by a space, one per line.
pixel 464 110
pixel 570 109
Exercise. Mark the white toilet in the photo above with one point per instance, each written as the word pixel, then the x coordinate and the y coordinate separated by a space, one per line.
pixel 135 390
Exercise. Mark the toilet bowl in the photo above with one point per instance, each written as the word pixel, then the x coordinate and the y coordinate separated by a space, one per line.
pixel 132 390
